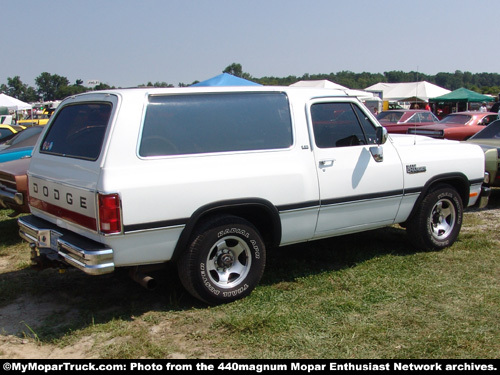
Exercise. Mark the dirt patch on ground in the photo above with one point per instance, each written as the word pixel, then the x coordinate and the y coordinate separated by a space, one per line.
pixel 21 319
pixel 13 347
pixel 25 315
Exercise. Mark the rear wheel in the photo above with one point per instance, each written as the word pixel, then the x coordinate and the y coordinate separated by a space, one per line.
pixel 437 221
pixel 224 262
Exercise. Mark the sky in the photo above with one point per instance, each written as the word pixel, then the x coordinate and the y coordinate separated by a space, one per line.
pixel 127 43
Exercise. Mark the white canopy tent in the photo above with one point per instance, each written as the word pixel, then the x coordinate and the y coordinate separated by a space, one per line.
pixel 319 83
pixel 13 103
pixel 408 91
pixel 324 83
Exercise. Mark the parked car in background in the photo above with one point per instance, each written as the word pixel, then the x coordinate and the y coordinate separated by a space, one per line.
pixel 21 147
pixel 7 131
pixel 398 121
pixel 38 118
pixel 13 173
pixel 14 186
pixel 21 137
pixel 489 140
pixel 458 126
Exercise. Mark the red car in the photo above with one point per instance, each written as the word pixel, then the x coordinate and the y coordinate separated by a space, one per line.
pixel 458 126
pixel 14 185
pixel 398 121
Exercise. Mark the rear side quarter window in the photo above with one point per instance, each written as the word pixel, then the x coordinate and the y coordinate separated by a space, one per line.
pixel 78 131
pixel 207 123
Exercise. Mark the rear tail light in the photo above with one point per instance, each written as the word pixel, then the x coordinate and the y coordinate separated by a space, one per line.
pixel 109 213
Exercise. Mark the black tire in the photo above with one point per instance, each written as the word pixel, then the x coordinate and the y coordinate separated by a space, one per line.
pixel 224 261
pixel 437 221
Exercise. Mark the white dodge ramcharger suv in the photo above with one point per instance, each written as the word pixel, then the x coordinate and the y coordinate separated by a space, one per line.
pixel 212 178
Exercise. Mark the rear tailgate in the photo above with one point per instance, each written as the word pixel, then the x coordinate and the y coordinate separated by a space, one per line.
pixel 65 168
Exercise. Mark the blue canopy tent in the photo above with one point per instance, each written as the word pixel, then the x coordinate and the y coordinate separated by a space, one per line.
pixel 226 79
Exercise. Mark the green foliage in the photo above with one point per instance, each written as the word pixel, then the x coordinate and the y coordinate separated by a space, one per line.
pixel 55 87
pixel 19 90
pixel 49 86
pixel 234 69
pixel 157 84
pixel 485 83
pixel 481 82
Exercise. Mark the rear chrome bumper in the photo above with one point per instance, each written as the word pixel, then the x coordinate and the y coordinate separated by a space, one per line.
pixel 89 256
pixel 10 197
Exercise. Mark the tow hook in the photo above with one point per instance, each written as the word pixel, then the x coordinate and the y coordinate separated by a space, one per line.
pixel 41 261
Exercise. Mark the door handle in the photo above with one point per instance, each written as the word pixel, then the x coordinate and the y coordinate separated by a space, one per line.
pixel 326 163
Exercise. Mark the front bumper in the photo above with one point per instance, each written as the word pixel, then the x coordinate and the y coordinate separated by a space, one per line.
pixel 66 247
pixel 484 196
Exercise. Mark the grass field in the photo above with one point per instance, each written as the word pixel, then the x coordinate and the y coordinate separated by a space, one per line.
pixel 367 295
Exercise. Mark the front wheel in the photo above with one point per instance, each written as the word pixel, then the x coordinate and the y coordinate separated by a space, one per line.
pixel 437 220
pixel 224 261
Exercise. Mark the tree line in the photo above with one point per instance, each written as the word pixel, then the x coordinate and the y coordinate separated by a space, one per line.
pixel 55 87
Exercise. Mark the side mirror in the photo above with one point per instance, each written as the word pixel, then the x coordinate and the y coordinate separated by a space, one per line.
pixel 381 135
pixel 377 151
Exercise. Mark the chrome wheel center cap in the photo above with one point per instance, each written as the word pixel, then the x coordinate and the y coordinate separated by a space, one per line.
pixel 225 260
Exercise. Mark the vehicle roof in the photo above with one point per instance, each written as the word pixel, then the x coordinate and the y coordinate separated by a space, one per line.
pixel 309 91
pixel 407 110
pixel 472 113
pixel 218 88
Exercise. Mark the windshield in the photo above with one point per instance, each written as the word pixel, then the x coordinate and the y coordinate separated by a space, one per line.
pixel 456 119
pixel 25 134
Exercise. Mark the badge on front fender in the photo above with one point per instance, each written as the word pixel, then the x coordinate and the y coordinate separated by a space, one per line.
pixel 412 169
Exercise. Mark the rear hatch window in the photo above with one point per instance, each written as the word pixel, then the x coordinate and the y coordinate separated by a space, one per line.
pixel 78 131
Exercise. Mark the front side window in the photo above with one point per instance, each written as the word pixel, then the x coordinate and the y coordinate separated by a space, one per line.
pixel 78 131
pixel 369 129
pixel 203 123
pixel 341 125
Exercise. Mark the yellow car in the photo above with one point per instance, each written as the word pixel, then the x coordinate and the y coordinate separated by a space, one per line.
pixel 38 119
pixel 8 130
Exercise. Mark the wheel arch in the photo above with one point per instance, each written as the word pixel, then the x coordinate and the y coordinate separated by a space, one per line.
pixel 458 181
pixel 260 212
